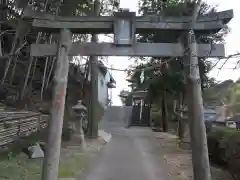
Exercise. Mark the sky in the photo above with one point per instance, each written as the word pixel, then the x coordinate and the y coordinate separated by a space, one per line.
pixel 232 46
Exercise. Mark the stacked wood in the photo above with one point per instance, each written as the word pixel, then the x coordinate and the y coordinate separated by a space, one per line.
pixel 16 125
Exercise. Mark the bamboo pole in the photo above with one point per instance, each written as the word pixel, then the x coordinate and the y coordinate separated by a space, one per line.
pixel 45 71
pixel 32 59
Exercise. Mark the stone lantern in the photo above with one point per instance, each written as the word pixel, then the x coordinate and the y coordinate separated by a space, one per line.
pixel 79 112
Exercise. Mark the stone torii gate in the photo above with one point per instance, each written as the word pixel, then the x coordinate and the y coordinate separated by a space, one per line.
pixel 124 25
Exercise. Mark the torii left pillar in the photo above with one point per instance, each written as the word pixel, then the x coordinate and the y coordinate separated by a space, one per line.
pixel 51 160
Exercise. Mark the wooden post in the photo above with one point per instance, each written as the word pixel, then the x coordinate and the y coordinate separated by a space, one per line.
pixel 51 160
pixel 200 159
pixel 198 138
pixel 93 126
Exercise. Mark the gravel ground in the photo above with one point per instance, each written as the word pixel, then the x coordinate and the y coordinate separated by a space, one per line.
pixel 178 160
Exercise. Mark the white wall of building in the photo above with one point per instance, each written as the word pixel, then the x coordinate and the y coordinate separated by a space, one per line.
pixel 103 89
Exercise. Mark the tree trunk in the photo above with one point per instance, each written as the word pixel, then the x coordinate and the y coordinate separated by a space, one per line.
pixel 181 128
pixel 86 75
pixel 164 113
pixel 11 58
pixel 16 59
pixel 181 123
pixel 2 18
pixel 1 54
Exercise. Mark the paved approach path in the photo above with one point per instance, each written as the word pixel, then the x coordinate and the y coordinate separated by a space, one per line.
pixel 131 154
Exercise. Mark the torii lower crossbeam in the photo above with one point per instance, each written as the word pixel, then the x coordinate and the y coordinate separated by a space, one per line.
pixel 138 49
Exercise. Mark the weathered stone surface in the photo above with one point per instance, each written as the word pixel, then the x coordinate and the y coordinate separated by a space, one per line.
pixel 36 152
pixel 104 24
pixel 104 135
pixel 138 49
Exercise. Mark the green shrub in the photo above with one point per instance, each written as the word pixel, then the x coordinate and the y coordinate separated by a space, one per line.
pixel 224 147
pixel 214 138
pixel 156 118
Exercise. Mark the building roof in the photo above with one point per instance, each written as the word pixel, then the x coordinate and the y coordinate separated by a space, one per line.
pixel 235 118
pixel 139 93
pixel 111 85
pixel 124 94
